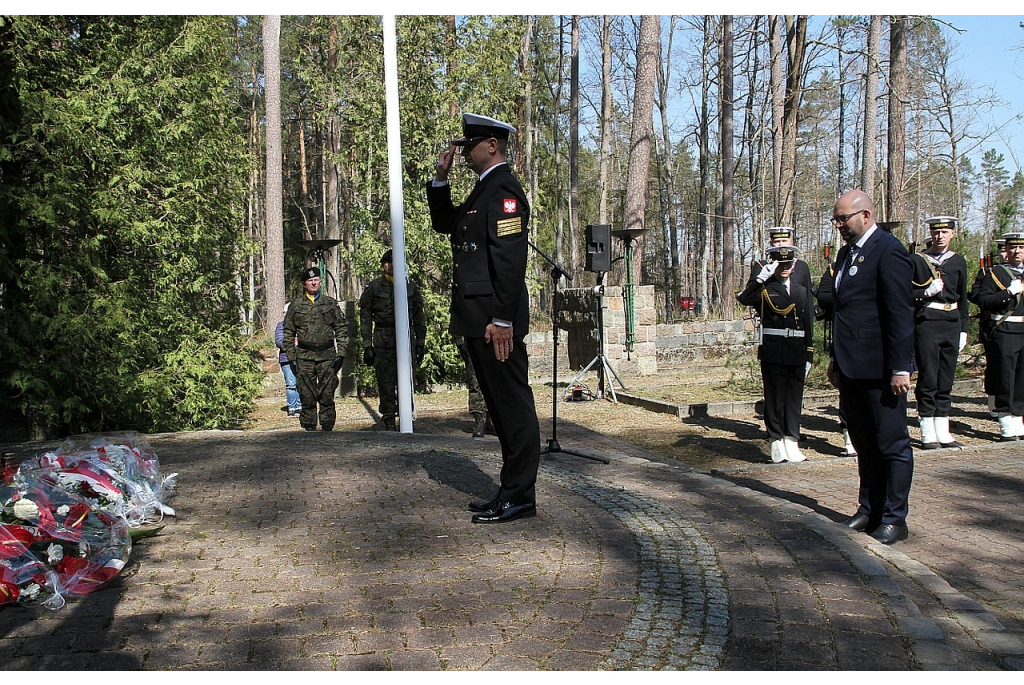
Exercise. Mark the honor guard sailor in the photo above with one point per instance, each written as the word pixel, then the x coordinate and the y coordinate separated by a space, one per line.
pixel 786 347
pixel 941 320
pixel 997 292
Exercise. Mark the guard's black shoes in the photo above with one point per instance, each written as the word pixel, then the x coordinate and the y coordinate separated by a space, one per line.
pixel 858 522
pixel 503 512
pixel 930 445
pixel 888 533
pixel 947 445
pixel 477 507
pixel 310 428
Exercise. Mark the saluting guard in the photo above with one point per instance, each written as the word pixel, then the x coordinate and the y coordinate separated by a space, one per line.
pixel 786 347
pixel 997 291
pixel 779 236
pixel 941 319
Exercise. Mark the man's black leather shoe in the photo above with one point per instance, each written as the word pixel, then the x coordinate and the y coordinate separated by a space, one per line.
pixel 478 507
pixel 503 512
pixel 888 533
pixel 858 522
pixel 947 445
pixel 930 445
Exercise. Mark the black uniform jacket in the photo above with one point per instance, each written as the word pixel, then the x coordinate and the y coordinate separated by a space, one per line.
pixel 779 310
pixel 952 269
pixel 489 238
pixel 990 294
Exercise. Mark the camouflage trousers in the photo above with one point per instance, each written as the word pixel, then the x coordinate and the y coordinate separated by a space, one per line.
pixel 316 382
pixel 385 368
pixel 476 397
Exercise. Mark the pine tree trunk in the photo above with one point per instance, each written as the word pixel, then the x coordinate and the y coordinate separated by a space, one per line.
pixel 867 173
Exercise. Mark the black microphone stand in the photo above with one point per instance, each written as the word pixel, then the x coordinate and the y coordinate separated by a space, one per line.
pixel 553 446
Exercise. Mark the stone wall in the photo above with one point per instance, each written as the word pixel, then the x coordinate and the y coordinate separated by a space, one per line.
pixel 699 340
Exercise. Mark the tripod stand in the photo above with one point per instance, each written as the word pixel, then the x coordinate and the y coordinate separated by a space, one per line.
pixel 601 360
pixel 553 446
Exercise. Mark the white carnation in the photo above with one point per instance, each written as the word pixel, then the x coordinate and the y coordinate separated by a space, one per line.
pixel 26 509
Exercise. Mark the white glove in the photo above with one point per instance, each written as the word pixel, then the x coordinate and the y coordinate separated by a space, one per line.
pixel 963 342
pixel 807 370
pixel 1016 286
pixel 766 271
pixel 935 288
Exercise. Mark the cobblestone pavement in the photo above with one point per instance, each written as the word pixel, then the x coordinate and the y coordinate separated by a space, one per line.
pixel 354 550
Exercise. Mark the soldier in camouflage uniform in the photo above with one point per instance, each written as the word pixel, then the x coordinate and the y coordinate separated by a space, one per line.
pixel 477 406
pixel 319 325
pixel 377 326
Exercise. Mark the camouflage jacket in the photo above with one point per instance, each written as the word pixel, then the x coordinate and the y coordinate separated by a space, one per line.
pixel 320 326
pixel 377 314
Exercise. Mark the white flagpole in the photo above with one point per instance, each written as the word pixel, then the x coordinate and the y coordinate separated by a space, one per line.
pixel 402 342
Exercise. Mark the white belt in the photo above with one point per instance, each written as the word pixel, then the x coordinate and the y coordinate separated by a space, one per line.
pixel 944 306
pixel 1009 319
pixel 783 332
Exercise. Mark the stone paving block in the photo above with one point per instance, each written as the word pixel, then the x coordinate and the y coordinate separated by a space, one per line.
pixel 361 662
pixel 999 642
pixel 465 658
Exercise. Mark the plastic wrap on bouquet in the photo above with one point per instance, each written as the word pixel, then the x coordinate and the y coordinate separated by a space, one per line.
pixel 56 545
pixel 116 472
pixel 24 579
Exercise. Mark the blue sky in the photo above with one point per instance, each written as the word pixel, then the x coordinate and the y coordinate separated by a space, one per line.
pixel 991 53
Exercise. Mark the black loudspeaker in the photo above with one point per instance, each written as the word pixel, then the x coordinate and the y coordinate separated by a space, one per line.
pixel 599 247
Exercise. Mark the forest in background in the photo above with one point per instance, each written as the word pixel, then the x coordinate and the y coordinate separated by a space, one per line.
pixel 141 244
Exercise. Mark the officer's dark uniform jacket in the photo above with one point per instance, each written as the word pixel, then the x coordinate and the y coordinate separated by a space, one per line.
pixel 320 326
pixel 782 311
pixel 950 304
pixel 1000 310
pixel 489 245
pixel 377 313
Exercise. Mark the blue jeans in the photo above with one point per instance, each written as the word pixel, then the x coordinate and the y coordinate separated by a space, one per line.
pixel 292 395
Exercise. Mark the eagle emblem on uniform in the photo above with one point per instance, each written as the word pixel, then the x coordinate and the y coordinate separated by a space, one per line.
pixel 509 205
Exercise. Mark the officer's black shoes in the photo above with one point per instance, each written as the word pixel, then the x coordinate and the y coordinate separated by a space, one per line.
pixel 1007 438
pixel 327 428
pixel 477 507
pixel 930 445
pixel 310 428
pixel 858 522
pixel 948 445
pixel 888 533
pixel 503 512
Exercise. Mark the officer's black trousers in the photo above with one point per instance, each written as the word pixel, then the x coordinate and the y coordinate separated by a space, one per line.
pixel 936 346
pixel 509 397
pixel 783 399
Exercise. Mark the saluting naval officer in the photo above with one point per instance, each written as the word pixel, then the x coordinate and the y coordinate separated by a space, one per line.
pixel 783 236
pixel 786 349
pixel 997 292
pixel 940 334
pixel 872 351
pixel 490 303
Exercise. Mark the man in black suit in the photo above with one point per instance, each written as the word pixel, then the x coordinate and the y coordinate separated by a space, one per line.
pixel 490 304
pixel 872 350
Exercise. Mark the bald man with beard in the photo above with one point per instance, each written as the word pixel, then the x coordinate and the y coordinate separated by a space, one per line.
pixel 873 343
